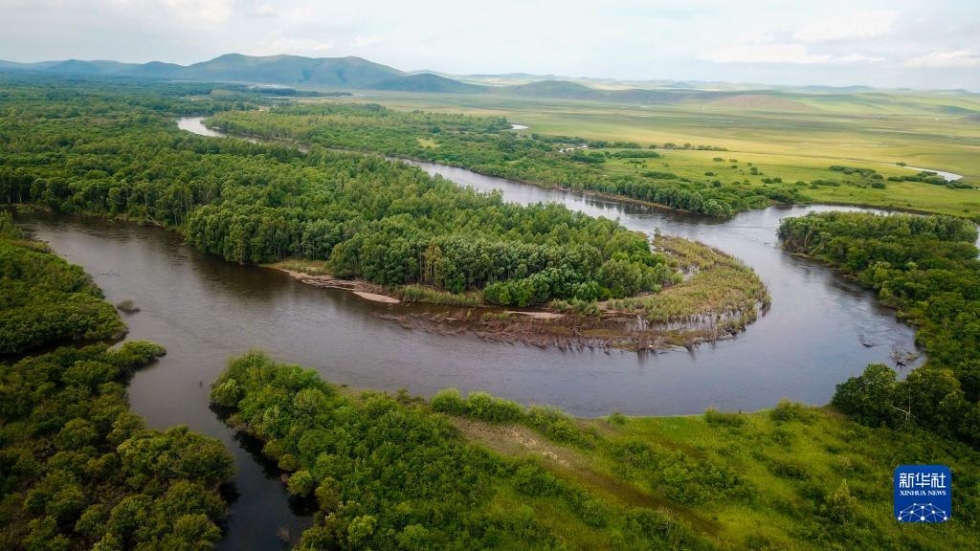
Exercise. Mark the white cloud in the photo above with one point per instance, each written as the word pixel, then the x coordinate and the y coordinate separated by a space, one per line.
pixel 366 41
pixel 276 44
pixel 265 10
pixel 861 25
pixel 211 11
pixel 954 58
pixel 858 58
pixel 781 53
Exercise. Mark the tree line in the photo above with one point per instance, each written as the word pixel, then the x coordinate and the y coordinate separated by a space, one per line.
pixel 44 300
pixel 927 268
pixel 486 145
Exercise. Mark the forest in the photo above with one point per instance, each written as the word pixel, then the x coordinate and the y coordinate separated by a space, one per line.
pixel 393 471
pixel 926 267
pixel 117 153
pixel 78 470
pixel 46 301
pixel 487 145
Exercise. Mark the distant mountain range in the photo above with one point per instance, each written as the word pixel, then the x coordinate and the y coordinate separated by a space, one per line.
pixel 354 73
pixel 347 73
pixel 338 72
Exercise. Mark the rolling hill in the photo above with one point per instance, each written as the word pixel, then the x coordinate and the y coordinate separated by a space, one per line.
pixel 554 89
pixel 427 82
pixel 340 72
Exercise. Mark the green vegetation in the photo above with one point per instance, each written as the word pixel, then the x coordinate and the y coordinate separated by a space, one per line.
pixel 875 130
pixel 395 472
pixel 719 295
pixel 486 145
pixel 78 150
pixel 927 268
pixel 388 473
pixel 78 470
pixel 44 300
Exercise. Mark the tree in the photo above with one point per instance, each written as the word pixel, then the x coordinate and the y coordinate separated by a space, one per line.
pixel 869 398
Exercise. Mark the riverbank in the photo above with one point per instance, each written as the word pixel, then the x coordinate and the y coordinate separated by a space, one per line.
pixel 775 479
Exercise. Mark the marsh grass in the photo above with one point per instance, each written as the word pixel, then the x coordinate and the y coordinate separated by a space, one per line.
pixel 719 294
pixel 420 293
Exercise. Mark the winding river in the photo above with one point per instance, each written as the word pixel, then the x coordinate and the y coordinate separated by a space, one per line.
pixel 819 331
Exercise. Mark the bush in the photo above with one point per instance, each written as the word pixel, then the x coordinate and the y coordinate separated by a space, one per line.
pixel 786 410
pixel 716 418
pixel 127 307
pixel 136 353
pixel 449 400
pixel 483 406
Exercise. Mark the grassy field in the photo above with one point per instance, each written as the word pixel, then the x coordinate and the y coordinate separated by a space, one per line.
pixel 791 478
pixel 792 136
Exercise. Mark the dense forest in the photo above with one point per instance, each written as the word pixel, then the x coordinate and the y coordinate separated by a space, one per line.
pixel 388 473
pixel 78 470
pixel 117 153
pixel 486 145
pixel 927 268
pixel 44 300
pixel 397 472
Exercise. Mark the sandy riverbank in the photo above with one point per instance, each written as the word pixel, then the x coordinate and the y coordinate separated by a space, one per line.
pixel 362 289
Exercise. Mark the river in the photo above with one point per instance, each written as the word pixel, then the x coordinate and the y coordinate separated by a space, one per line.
pixel 819 331
pixel 948 176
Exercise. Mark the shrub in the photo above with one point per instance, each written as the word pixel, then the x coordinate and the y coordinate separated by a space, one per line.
pixel 449 400
pixel 716 418
pixel 483 406
pixel 786 410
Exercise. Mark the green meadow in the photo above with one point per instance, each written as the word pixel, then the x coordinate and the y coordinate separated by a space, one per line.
pixel 792 136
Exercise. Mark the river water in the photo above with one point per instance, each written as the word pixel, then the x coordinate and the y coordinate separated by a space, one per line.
pixel 819 331
pixel 948 176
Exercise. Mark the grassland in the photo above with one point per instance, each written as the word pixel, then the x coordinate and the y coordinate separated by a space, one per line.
pixel 790 478
pixel 792 136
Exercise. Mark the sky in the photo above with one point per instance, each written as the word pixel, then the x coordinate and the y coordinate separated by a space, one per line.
pixel 896 43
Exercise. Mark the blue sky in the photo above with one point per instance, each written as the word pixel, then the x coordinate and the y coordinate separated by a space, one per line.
pixel 901 43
